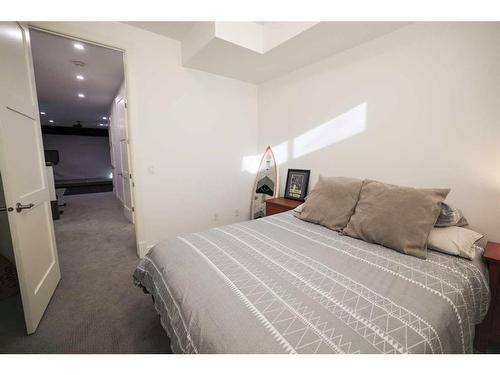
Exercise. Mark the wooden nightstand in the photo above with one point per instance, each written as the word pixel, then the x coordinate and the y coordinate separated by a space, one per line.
pixel 489 330
pixel 277 205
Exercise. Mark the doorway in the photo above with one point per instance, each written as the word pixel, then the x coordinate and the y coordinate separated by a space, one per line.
pixel 81 92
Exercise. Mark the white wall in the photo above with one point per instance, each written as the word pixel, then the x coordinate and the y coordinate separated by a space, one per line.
pixel 423 101
pixel 189 133
pixel 419 107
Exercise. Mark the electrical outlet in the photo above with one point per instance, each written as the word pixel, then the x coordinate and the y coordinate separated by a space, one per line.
pixel 216 217
pixel 237 212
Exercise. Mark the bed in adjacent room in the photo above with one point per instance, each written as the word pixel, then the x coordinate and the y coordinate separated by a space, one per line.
pixel 283 285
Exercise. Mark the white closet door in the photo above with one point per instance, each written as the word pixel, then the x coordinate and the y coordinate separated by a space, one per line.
pixel 114 133
pixel 126 174
pixel 111 152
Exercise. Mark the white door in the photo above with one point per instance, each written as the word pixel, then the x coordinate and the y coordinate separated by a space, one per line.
pixel 22 166
pixel 125 172
pixel 113 147
pixel 114 135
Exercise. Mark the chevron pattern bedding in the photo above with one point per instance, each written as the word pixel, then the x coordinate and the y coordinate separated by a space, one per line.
pixel 282 285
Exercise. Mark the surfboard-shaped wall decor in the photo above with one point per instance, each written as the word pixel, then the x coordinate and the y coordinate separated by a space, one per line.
pixel 266 184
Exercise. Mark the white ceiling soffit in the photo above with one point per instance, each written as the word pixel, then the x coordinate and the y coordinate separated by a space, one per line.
pixel 57 86
pixel 259 51
pixel 225 57
pixel 260 37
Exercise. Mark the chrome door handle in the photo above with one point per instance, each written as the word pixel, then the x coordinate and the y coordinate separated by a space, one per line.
pixel 20 207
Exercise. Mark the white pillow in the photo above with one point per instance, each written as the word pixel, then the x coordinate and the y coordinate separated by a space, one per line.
pixel 454 240
pixel 299 208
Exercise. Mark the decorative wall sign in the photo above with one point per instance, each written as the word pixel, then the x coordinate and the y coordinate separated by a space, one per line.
pixel 297 181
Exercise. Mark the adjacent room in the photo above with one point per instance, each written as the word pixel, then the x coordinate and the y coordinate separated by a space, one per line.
pixel 82 104
pixel 79 85
pixel 250 187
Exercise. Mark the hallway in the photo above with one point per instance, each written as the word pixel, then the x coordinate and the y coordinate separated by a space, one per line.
pixel 96 308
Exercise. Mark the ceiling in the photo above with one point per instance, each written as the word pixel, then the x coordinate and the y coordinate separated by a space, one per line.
pixel 174 30
pixel 58 87
pixel 259 51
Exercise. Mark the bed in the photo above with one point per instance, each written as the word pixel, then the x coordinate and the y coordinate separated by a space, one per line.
pixel 283 285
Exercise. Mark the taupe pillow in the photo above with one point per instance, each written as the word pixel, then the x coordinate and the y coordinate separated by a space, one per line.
pixel 397 217
pixel 454 240
pixel 331 202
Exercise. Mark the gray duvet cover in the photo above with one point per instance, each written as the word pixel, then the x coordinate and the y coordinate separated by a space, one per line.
pixel 282 285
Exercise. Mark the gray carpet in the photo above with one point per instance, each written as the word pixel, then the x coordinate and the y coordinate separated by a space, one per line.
pixel 96 308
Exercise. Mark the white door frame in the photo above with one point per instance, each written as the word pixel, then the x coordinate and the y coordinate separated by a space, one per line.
pixel 128 127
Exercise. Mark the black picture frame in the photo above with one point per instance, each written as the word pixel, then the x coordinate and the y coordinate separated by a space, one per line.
pixel 300 180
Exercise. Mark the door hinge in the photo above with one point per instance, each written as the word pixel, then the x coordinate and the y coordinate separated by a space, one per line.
pixel 125 103
pixel 133 209
pixel 130 175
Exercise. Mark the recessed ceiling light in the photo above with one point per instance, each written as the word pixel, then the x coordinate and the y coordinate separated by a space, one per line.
pixel 104 118
pixel 42 113
pixel 78 46
pixel 80 77
pixel 81 95
pixel 101 124
pixel 51 121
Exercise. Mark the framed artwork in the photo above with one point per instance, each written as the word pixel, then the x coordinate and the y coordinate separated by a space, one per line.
pixel 297 181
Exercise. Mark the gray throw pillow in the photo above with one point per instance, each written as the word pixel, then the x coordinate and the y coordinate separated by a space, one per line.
pixel 396 217
pixel 331 202
pixel 450 216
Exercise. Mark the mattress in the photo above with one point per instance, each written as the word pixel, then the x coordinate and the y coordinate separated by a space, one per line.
pixel 282 285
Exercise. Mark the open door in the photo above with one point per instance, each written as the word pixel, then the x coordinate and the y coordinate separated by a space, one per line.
pixel 120 154
pixel 22 166
pixel 126 174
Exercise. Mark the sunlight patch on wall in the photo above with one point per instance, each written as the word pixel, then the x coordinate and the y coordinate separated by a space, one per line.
pixel 342 127
pixel 250 164
pixel 335 130
pixel 280 152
